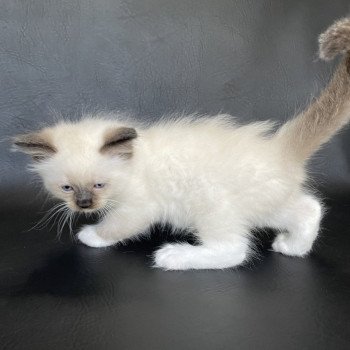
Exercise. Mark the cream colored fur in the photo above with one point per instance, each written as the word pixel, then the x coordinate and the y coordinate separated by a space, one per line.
pixel 207 175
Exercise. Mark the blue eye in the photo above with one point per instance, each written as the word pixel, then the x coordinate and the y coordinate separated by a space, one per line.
pixel 67 188
pixel 98 186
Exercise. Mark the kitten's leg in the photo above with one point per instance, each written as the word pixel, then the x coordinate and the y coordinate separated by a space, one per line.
pixel 223 245
pixel 113 229
pixel 209 255
pixel 299 222
pixel 90 236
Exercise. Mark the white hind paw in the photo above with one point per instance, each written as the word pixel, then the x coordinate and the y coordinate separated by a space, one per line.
pixel 291 246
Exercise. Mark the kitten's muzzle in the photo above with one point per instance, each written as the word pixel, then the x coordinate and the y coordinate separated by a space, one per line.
pixel 84 203
pixel 83 199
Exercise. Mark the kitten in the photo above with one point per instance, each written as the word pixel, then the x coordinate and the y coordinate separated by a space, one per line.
pixel 217 179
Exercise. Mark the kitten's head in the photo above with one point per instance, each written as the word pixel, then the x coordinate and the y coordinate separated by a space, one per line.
pixel 86 164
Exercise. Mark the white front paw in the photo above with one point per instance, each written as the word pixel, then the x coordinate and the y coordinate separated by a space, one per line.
pixel 172 257
pixel 89 236
pixel 291 246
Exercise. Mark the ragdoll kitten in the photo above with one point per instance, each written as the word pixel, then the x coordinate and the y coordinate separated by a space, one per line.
pixel 217 179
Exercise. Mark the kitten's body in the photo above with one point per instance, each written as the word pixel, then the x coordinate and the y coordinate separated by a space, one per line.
pixel 191 173
pixel 207 175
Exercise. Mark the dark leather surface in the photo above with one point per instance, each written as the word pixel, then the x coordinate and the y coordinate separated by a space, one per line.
pixel 68 296
pixel 253 59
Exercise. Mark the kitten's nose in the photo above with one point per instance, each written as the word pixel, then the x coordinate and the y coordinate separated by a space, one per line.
pixel 84 203
pixel 83 198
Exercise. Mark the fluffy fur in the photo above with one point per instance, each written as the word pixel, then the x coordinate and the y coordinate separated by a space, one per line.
pixel 206 175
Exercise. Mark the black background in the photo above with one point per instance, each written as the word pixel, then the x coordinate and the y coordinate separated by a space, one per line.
pixel 256 60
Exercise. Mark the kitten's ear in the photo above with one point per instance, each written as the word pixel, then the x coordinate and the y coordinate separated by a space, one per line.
pixel 35 144
pixel 118 142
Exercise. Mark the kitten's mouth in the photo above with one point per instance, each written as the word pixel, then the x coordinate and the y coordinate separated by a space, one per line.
pixel 88 210
pixel 94 208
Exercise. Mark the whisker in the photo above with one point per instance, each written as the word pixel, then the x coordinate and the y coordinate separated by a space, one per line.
pixel 62 222
pixel 50 214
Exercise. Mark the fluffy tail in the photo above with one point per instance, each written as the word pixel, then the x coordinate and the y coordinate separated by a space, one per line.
pixel 303 135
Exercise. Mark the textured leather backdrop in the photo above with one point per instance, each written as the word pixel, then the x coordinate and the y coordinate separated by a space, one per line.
pixel 253 59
